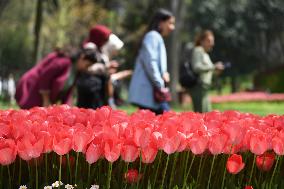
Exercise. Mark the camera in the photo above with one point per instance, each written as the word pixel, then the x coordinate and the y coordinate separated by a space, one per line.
pixel 227 65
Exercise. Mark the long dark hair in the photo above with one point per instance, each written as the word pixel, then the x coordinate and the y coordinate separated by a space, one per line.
pixel 159 16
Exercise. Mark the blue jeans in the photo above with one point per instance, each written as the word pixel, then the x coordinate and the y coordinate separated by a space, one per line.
pixel 164 107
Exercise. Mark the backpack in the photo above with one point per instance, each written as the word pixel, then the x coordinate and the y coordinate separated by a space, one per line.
pixel 187 77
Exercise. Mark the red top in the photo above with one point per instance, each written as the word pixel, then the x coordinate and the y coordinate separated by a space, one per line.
pixel 49 74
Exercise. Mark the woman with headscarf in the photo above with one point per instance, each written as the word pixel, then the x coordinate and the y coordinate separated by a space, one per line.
pixel 106 44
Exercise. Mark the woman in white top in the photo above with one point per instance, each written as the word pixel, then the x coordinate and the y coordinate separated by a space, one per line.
pixel 203 66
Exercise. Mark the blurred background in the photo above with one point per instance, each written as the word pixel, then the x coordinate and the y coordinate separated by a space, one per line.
pixel 249 36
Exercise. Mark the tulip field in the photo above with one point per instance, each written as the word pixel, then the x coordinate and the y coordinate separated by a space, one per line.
pixel 69 147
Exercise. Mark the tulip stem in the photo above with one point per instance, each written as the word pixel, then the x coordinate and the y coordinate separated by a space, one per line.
pixel 60 161
pixel 157 168
pixel 30 173
pixel 139 172
pixel 1 177
pixel 109 175
pixel 10 180
pixel 36 174
pixel 224 176
pixel 224 173
pixel 89 172
pixel 164 173
pixel 125 173
pixel 173 169
pixel 274 170
pixel 69 168
pixel 251 172
pixel 76 169
pixel 185 166
pixel 210 174
pixel 20 171
pixel 46 179
pixel 185 179
pixel 199 169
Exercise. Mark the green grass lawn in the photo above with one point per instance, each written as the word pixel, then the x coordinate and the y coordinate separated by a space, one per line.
pixel 260 108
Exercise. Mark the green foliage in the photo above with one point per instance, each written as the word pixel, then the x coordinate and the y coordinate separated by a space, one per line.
pixel 15 40
pixel 245 31
pixel 46 170
pixel 260 108
pixel 271 81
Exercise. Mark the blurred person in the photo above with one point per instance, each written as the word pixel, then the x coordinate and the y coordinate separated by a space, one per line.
pixel 1 86
pixel 150 74
pixel 203 66
pixel 11 88
pixel 108 46
pixel 48 82
pixel 91 87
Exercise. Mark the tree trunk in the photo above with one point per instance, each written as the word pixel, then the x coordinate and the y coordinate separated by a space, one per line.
pixel 37 28
pixel 3 4
pixel 174 45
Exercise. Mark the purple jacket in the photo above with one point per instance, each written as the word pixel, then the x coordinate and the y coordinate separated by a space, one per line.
pixel 50 74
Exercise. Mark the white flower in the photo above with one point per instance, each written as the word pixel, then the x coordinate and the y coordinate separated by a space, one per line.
pixel 95 187
pixel 23 187
pixel 68 186
pixel 57 184
pixel 47 187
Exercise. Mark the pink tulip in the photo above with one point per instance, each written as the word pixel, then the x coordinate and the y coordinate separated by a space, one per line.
pixel 265 161
pixel 112 150
pixel 183 142
pixel 235 164
pixel 235 131
pixel 170 145
pixel 258 144
pixel 129 153
pixel 217 143
pixel 149 154
pixel 93 153
pixel 132 176
pixel 142 137
pixel 5 130
pixel 198 142
pixel 30 146
pixel 48 139
pixel 62 142
pixel 248 187
pixel 81 139
pixel 8 151
pixel 278 143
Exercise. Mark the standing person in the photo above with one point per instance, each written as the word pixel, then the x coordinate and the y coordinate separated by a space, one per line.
pixel 203 66
pixel 151 64
pixel 47 82
pixel 11 88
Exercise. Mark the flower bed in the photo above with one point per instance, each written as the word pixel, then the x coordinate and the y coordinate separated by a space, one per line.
pixel 115 150
pixel 248 97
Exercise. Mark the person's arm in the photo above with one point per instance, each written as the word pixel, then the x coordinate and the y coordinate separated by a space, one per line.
pixel 45 98
pixel 150 58
pixel 121 75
